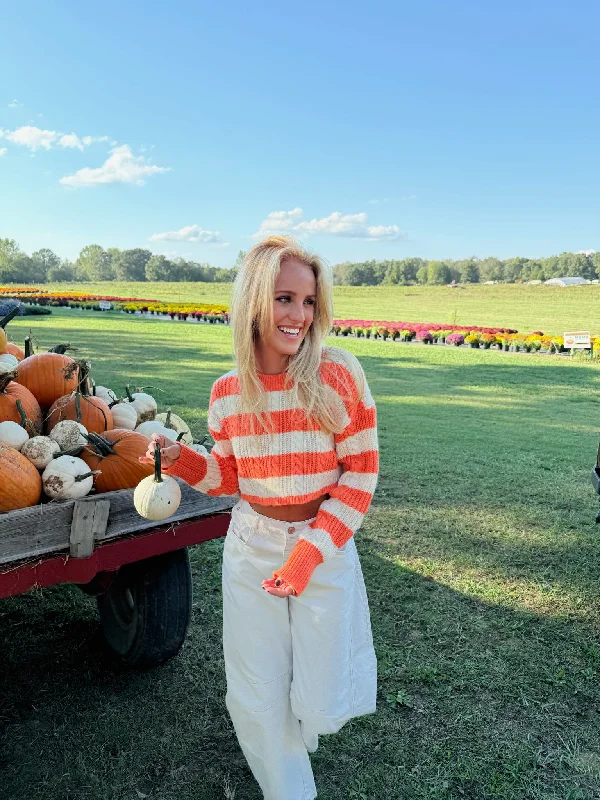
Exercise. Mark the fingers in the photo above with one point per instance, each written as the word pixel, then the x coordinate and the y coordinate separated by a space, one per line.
pixel 278 587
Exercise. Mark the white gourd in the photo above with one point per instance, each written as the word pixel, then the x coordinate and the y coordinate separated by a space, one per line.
pixel 157 497
pixel 198 448
pixel 152 426
pixel 13 435
pixel 40 450
pixel 178 425
pixel 8 363
pixel 67 478
pixel 144 404
pixel 69 434
pixel 124 416
pixel 105 394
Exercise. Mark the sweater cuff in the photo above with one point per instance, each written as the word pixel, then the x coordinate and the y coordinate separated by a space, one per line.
pixel 301 564
pixel 190 466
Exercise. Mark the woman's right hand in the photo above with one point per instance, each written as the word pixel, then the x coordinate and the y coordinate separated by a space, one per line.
pixel 169 451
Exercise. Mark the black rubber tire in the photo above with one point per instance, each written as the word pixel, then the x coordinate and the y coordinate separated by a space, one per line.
pixel 146 612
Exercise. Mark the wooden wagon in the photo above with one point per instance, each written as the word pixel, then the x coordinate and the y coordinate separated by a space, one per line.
pixel 138 570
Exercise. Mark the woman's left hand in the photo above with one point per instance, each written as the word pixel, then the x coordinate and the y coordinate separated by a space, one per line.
pixel 278 587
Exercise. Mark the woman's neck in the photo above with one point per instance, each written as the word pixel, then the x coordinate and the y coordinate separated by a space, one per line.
pixel 270 363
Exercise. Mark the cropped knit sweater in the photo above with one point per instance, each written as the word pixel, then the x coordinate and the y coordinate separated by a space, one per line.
pixel 296 462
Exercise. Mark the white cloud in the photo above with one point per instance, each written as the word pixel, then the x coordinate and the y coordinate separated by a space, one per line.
pixel 15 104
pixel 2 151
pixel 353 226
pixel 586 252
pixel 190 233
pixel 32 137
pixel 120 167
pixel 72 140
pixel 279 222
pixel 87 140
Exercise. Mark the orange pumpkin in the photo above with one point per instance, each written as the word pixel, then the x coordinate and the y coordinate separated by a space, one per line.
pixel 3 323
pixel 15 350
pixel 48 376
pixel 20 482
pixel 90 411
pixel 17 404
pixel 116 454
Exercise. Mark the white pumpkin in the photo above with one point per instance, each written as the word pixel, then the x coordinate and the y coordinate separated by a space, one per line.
pixel 152 426
pixel 70 435
pixel 179 426
pixel 104 394
pixel 198 448
pixel 124 415
pixel 40 450
pixel 144 404
pixel 13 435
pixel 157 497
pixel 67 478
pixel 8 363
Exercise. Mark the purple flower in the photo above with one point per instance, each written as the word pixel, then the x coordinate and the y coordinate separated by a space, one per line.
pixel 455 339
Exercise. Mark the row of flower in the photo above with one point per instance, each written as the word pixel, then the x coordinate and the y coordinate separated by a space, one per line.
pixel 415 326
pixel 513 342
pixel 29 294
pixel 211 312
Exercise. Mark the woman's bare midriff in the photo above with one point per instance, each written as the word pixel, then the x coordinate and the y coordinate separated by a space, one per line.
pixel 291 513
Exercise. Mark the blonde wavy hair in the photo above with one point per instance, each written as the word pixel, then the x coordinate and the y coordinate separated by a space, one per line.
pixel 252 318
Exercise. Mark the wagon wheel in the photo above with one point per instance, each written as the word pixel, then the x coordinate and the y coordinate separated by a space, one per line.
pixel 146 611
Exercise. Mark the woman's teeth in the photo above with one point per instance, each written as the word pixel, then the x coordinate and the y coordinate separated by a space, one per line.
pixel 291 332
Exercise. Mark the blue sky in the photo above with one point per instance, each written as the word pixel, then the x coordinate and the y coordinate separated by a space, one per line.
pixel 370 130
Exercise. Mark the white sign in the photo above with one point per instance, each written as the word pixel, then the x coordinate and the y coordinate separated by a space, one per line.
pixel 105 305
pixel 578 340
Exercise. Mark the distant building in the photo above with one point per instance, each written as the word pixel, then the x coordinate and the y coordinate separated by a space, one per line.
pixel 567 281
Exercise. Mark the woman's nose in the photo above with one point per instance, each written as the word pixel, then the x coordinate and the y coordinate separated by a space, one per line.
pixel 297 313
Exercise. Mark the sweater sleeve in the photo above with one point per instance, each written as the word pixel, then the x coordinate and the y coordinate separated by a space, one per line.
pixel 341 515
pixel 213 473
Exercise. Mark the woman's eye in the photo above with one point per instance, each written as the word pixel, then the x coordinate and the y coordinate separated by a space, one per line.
pixel 284 299
pixel 310 302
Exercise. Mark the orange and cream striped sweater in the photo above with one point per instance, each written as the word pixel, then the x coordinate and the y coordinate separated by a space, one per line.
pixel 296 462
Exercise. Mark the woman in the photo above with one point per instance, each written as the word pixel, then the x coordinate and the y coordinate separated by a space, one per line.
pixel 295 437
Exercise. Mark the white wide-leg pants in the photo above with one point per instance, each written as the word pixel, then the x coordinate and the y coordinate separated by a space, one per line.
pixel 296 667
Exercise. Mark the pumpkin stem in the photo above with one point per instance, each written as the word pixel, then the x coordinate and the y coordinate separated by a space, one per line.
pixel 101 445
pixel 94 388
pixel 87 475
pixel 11 315
pixel 180 436
pixel 157 464
pixel 28 346
pixel 114 402
pixel 168 420
pixel 5 379
pixel 129 395
pixel 22 414
pixel 78 408
pixel 84 374
pixel 61 349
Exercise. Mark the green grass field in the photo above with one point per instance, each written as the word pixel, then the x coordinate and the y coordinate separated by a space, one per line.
pixel 551 309
pixel 481 559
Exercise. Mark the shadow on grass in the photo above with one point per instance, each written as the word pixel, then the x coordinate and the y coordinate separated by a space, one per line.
pixel 475 700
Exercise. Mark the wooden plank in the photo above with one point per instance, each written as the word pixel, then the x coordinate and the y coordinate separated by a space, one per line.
pixel 46 528
pixel 90 518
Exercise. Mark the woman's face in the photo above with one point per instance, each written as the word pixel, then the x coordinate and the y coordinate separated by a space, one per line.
pixel 293 312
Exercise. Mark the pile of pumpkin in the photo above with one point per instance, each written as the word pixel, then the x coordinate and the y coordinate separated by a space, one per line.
pixel 61 435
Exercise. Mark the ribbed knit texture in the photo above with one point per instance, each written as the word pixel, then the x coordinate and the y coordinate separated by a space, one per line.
pixel 296 462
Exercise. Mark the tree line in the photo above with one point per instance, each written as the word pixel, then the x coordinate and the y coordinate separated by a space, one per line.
pixel 469 270
pixel 95 264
